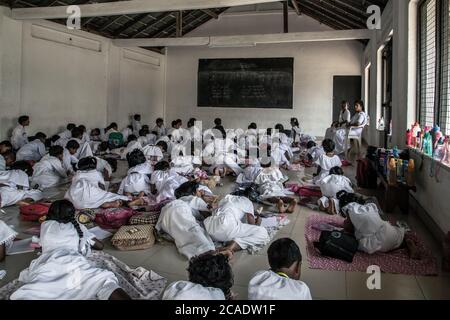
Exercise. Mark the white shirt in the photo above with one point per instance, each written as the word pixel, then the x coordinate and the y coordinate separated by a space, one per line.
pixel 136 126
pixel 2 163
pixel 345 116
pixel 19 137
pixel 185 290
pixel 33 150
pixel 359 119
pixel 162 131
pixel 267 285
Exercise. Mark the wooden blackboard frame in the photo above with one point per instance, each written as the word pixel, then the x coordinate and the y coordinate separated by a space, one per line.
pixel 242 76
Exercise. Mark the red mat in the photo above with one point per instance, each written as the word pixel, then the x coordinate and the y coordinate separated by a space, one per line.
pixel 397 261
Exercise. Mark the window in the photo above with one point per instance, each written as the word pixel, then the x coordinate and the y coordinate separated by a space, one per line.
pixel 434 59
pixel 427 62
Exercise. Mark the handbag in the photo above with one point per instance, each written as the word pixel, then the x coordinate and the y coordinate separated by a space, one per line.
pixel 337 244
pixel 113 218
pixel 34 212
pixel 145 218
pixel 134 237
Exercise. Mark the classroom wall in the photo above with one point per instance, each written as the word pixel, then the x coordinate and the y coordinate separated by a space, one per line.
pixel 58 76
pixel 315 64
pixel 401 17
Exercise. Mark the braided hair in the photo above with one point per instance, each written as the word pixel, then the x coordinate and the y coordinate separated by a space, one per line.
pixel 63 211
pixel 212 270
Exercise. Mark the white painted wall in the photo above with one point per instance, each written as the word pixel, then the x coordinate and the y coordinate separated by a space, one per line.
pixel 315 64
pixel 56 83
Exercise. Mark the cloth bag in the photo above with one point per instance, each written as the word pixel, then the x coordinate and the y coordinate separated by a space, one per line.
pixel 137 237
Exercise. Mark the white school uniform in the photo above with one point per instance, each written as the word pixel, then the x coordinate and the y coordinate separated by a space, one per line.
pixel 62 272
pixel 143 140
pixel 7 235
pixel 161 131
pixel 178 220
pixel 48 172
pixel 330 186
pixel 84 150
pixel 340 135
pixel 126 133
pixel 270 183
pixel 103 165
pixel 15 186
pixel 68 161
pixel 345 116
pixel 267 285
pixel 326 163
pixel 166 182
pixel 250 173
pixel 278 155
pixel 153 153
pixel 373 233
pixel 151 138
pixel 185 290
pixel 296 134
pixel 315 153
pixel 229 223
pixel 2 163
pixel 33 151
pixel 85 192
pixel 19 137
pixel 66 134
pixel 137 180
pixel 221 154
pixel 184 165
pixel 136 126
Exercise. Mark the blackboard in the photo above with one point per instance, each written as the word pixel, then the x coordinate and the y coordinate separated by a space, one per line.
pixel 246 83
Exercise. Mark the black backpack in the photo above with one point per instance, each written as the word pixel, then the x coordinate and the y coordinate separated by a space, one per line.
pixel 337 244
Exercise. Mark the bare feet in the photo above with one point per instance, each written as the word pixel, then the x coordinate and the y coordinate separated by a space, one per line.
pixel 137 202
pixel 280 206
pixel 292 206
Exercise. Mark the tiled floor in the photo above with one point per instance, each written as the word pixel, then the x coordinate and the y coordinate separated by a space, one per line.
pixel 164 259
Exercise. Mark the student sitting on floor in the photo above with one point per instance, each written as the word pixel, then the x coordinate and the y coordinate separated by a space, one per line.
pixel 210 278
pixel 33 150
pixel 314 151
pixel 15 186
pixel 7 159
pixel 179 219
pixel 49 172
pixel 372 232
pixel 66 134
pixel 155 153
pixel 234 223
pixel 85 149
pixel 87 190
pixel 69 156
pixel 282 281
pixel 137 181
pixel 330 186
pixel 7 236
pixel 326 161
pixel 62 270
pixel 270 181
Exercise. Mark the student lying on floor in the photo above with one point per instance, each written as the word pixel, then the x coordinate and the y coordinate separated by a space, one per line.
pixel 220 152
pixel 330 186
pixel 180 218
pixel 7 236
pixel 270 181
pixel 282 281
pixel 62 272
pixel 210 278
pixel 234 223
pixel 326 161
pixel 15 186
pixel 49 172
pixel 137 181
pixel 33 150
pixel 87 190
pixel 372 232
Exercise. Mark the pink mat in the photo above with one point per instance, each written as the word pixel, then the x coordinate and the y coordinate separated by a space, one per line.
pixel 397 262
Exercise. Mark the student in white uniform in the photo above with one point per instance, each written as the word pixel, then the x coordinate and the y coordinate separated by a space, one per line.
pixel 180 219
pixel 296 131
pixel 33 150
pixel 127 132
pixel 326 161
pixel 345 115
pixel 194 131
pixel 136 124
pixel 234 223
pixel 270 181
pixel 314 151
pixel 164 181
pixel 87 190
pixel 220 154
pixel 282 281
pixel 330 186
pixel 69 156
pixel 210 278
pixel 15 186
pixel 85 149
pixel 19 135
pixel 284 142
pixel 159 128
pixel 62 271
pixel 7 236
pixel 137 181
pixel 143 140
pixel 372 232
pixel 7 156
pixel 85 137
pixel 353 128
pixel 250 172
pixel 155 153
pixel 67 134
pixel 49 171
